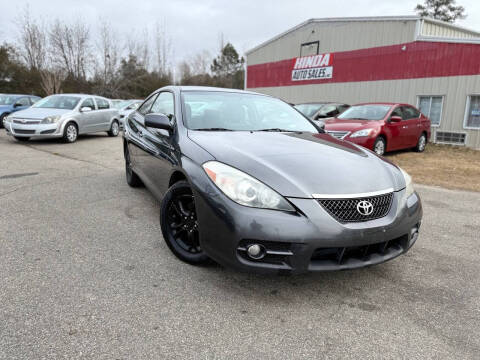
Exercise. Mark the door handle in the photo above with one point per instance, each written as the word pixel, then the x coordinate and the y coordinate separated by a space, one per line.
pixel 404 127
pixel 140 134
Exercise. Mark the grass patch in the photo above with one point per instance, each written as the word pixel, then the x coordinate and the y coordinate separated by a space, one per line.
pixel 451 167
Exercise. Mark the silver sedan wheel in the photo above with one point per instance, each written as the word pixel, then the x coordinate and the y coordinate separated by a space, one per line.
pixel 72 133
pixel 115 128
pixel 379 147
pixel 422 142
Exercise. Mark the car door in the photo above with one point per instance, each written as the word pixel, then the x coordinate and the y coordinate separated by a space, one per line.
pixel 139 149
pixel 103 114
pixel 411 126
pixel 393 129
pixel 86 119
pixel 158 166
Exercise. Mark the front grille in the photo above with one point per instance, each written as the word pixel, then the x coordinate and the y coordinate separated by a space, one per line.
pixel 358 254
pixel 27 122
pixel 338 134
pixel 25 132
pixel 345 210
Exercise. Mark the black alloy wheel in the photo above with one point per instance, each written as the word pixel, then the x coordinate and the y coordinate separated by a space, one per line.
pixel 178 219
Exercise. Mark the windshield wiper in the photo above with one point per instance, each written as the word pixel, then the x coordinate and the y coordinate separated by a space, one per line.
pixel 213 129
pixel 275 130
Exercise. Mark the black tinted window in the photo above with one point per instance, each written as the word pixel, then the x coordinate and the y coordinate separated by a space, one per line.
pixel 397 112
pixel 147 105
pixel 410 113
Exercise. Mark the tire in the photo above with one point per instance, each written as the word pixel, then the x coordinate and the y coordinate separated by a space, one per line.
pixel 379 146
pixel 133 180
pixel 421 143
pixel 114 129
pixel 21 139
pixel 179 224
pixel 2 117
pixel 70 133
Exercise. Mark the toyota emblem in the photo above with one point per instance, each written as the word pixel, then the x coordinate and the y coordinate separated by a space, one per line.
pixel 364 207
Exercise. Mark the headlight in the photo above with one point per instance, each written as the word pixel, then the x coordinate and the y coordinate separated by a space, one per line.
pixel 51 119
pixel 361 133
pixel 408 183
pixel 244 189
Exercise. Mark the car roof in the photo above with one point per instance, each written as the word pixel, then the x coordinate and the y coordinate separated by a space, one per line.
pixel 210 88
pixel 322 103
pixel 383 103
pixel 18 95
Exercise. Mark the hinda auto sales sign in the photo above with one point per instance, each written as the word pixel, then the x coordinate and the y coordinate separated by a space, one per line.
pixel 313 67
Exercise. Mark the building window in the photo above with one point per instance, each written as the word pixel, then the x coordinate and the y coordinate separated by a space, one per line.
pixel 310 48
pixel 431 106
pixel 472 117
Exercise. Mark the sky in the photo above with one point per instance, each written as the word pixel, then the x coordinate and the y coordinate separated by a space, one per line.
pixel 196 25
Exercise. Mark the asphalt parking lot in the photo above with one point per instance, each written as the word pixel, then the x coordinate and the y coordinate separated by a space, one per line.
pixel 84 273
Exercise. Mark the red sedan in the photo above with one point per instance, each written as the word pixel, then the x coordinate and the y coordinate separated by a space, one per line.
pixel 382 127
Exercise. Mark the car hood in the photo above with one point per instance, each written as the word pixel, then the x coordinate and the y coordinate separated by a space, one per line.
pixel 40 113
pixel 4 108
pixel 302 164
pixel 349 125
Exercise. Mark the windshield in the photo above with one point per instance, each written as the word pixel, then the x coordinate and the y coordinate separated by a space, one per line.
pixel 308 109
pixel 120 104
pixel 7 100
pixel 365 112
pixel 58 102
pixel 210 110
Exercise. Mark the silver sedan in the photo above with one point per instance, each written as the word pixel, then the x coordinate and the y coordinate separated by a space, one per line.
pixel 64 116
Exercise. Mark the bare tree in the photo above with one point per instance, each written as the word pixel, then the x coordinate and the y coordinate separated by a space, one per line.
pixel 71 43
pixel 51 80
pixel 163 49
pixel 32 41
pixel 200 62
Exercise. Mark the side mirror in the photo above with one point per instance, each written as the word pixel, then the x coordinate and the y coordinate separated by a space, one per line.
pixel 17 105
pixel 320 124
pixel 158 121
pixel 395 118
pixel 86 109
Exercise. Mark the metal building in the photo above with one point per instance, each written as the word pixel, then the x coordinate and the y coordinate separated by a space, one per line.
pixel 428 63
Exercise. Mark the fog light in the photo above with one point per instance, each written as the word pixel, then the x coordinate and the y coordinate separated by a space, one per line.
pixel 256 251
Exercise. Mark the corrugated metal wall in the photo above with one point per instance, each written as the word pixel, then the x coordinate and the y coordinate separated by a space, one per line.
pixel 445 31
pixel 335 36
pixel 340 35
pixel 455 90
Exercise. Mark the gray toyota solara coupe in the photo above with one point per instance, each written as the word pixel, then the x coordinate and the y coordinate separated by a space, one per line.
pixel 248 181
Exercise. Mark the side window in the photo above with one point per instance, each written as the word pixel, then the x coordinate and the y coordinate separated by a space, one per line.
pixel 23 102
pixel 164 104
pixel 409 113
pixel 329 110
pixel 88 103
pixel 147 105
pixel 397 112
pixel 342 108
pixel 102 104
pixel 33 100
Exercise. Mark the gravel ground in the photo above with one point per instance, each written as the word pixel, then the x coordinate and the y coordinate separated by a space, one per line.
pixel 85 274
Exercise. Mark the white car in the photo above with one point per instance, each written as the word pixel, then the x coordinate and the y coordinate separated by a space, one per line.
pixel 64 116
pixel 126 108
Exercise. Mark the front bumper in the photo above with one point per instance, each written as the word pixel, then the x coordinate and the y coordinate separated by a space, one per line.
pixel 365 141
pixel 308 240
pixel 34 130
